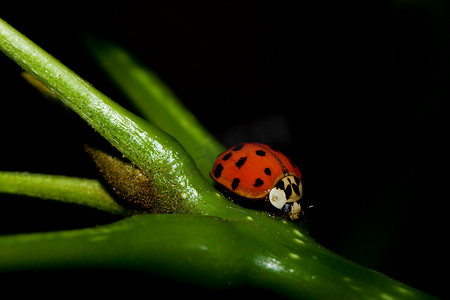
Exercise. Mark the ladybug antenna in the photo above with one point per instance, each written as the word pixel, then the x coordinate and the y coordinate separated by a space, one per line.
pixel 307 208
pixel 311 206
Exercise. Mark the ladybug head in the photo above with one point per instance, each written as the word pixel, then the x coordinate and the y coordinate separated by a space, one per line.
pixel 286 195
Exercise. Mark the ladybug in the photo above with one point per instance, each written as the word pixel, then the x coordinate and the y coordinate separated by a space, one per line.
pixel 258 172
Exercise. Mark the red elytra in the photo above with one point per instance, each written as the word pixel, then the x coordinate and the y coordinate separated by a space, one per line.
pixel 251 170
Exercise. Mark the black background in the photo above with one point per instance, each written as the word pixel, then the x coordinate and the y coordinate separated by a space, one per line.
pixel 355 93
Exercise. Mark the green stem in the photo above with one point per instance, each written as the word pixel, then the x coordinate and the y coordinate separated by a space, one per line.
pixel 207 251
pixel 155 152
pixel 238 246
pixel 80 191
pixel 156 102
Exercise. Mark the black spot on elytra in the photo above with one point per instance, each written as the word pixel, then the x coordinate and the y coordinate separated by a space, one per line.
pixel 235 183
pixel 258 182
pixel 296 189
pixel 218 170
pixel 280 185
pixel 297 181
pixel 237 147
pixel 260 152
pixel 227 156
pixel 267 171
pixel 288 191
pixel 241 162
